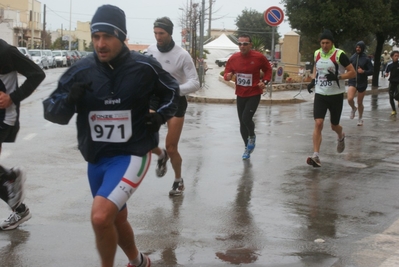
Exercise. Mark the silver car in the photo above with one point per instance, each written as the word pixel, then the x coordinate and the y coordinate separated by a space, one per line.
pixel 39 57
pixel 25 52
pixel 50 58
pixel 60 58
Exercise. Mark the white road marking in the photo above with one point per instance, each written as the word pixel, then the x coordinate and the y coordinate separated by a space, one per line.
pixel 30 136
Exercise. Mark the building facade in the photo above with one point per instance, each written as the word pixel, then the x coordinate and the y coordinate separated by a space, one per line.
pixel 22 19
pixel 20 22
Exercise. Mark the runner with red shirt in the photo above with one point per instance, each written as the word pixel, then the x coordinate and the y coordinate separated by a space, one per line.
pixel 246 66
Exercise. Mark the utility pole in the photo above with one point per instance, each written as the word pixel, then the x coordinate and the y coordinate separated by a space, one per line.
pixel 70 21
pixel 62 39
pixel 210 18
pixel 201 44
pixel 44 34
pixel 31 21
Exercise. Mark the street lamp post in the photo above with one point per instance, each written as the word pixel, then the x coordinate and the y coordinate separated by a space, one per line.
pixel 32 30
pixel 201 44
pixel 70 22
pixel 182 26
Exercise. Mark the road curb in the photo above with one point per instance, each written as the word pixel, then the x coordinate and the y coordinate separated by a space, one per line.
pixel 232 100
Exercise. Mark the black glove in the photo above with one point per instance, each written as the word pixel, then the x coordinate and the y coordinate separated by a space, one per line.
pixel 332 77
pixel 77 92
pixel 311 85
pixel 153 121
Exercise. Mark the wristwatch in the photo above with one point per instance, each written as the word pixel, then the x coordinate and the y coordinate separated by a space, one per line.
pixel 265 82
pixel 339 77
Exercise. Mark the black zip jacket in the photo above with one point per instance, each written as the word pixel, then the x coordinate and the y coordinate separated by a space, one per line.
pixel 12 62
pixel 124 84
pixel 393 68
pixel 363 61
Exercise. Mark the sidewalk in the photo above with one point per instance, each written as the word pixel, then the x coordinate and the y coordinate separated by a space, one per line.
pixel 216 91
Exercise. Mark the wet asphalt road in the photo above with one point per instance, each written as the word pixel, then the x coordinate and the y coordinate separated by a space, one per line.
pixel 267 211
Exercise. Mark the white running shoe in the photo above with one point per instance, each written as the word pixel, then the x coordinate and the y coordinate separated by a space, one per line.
pixel 15 219
pixel 146 262
pixel 313 161
pixel 177 188
pixel 341 144
pixel 161 168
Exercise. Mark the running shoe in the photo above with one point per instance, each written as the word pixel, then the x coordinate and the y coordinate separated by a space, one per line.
pixel 393 113
pixel 246 154
pixel 353 112
pixel 341 144
pixel 15 219
pixel 177 188
pixel 251 144
pixel 161 165
pixel 360 123
pixel 15 187
pixel 145 263
pixel 313 161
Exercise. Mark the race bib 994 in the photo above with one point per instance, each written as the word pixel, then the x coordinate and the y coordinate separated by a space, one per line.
pixel 244 79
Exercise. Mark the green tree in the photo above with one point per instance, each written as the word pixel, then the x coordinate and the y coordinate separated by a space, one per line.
pixel 46 39
pixel 253 23
pixel 349 21
pixel 257 44
pixel 58 44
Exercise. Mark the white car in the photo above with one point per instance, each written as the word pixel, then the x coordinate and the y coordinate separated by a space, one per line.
pixel 39 57
pixel 50 58
pixel 221 62
pixel 60 57
pixel 25 52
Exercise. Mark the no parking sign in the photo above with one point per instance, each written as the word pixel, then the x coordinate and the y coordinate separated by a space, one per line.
pixel 273 16
pixel 279 74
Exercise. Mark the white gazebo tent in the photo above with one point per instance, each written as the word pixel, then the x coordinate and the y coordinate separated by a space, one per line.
pixel 220 47
pixel 221 43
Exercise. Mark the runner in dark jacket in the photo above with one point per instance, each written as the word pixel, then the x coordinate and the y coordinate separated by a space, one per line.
pixel 110 91
pixel 12 63
pixel 393 72
pixel 364 68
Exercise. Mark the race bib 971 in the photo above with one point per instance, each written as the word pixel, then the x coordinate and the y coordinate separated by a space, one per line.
pixel 114 126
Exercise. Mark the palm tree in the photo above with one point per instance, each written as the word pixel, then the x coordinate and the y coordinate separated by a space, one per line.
pixel 257 44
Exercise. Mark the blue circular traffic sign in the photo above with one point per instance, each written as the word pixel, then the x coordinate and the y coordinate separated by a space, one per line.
pixel 279 71
pixel 274 16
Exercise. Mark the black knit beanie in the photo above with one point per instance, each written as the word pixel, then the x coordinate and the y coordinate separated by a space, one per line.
pixel 164 23
pixel 109 19
pixel 327 34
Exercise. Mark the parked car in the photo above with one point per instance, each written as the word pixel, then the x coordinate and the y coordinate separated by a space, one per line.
pixel 50 58
pixel 60 58
pixel 39 57
pixel 221 62
pixel 25 52
pixel 70 57
pixel 74 56
pixel 77 55
pixel 83 53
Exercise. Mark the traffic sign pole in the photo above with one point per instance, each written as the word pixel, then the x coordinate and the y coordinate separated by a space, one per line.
pixel 273 29
pixel 273 16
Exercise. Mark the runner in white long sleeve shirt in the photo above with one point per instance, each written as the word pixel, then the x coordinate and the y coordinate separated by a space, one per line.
pixel 179 64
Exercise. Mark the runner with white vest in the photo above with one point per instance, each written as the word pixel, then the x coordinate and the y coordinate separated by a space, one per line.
pixel 331 66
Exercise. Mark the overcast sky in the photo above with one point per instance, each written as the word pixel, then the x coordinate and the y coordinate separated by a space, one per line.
pixel 140 14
